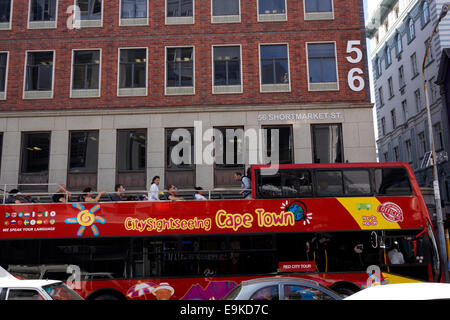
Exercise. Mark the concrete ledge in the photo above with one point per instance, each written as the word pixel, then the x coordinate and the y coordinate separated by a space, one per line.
pixel 5 26
pixel 275 88
pixel 41 24
pixel 319 16
pixel 226 19
pixel 179 91
pixel 132 92
pixel 90 23
pixel 227 89
pixel 272 17
pixel 131 22
pixel 38 95
pixel 91 93
pixel 179 20
pixel 3 95
pixel 324 86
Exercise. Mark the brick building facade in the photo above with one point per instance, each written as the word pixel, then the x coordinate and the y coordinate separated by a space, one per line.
pixel 152 97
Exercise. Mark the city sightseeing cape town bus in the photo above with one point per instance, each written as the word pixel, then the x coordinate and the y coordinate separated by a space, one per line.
pixel 346 226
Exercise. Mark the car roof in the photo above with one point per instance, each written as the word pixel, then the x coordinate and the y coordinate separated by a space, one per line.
pixel 8 283
pixel 404 291
pixel 279 279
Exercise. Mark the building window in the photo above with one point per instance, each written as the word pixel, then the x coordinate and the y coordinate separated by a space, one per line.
pixel 383 126
pixel 399 46
pixel 228 155
pixel 418 100
pixel 284 146
pixel 274 64
pixel 386 156
pixel 90 9
pixel 388 56
pixel 271 6
pixel 39 71
pixel 430 56
pixel 411 30
pixel 401 77
pixel 396 154
pixel 438 137
pixel 180 166
pixel 405 110
pixel 86 69
pixel 318 6
pixel 224 11
pixel 3 73
pixel 422 144
pixel 83 151
pixel 322 66
pixel 327 143
pixel 132 158
pixel 394 119
pixel 378 68
pixel 415 70
pixel 408 148
pixel 133 9
pixel 425 16
pixel 391 88
pixel 43 10
pixel 227 65
pixel 380 96
pixel 179 8
pixel 433 90
pixel 35 152
pixel 180 67
pixel 5 11
pixel 133 71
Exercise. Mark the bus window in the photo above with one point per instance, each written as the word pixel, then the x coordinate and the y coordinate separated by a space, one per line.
pixel 296 183
pixel 329 183
pixel 392 181
pixel 270 185
pixel 356 182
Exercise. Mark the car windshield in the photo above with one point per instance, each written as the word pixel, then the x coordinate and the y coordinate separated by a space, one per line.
pixel 233 293
pixel 59 291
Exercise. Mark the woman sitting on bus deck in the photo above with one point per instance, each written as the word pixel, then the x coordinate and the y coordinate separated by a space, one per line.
pixel 173 194
pixel 62 195
pixel 199 194
pixel 87 195
pixel 153 195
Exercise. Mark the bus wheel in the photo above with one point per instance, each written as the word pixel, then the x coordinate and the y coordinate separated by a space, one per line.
pixel 107 297
pixel 345 291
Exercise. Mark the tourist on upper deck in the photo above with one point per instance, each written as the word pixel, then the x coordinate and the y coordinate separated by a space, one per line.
pixel 13 197
pixel 153 195
pixel 199 194
pixel 118 194
pixel 88 195
pixel 173 193
pixel 62 195
pixel 246 185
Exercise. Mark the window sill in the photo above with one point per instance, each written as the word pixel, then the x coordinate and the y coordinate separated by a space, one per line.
pixel 3 95
pixel 87 93
pixel 267 88
pixel 226 19
pixel 179 20
pixel 38 95
pixel 319 16
pixel 91 23
pixel 133 22
pixel 132 92
pixel 323 86
pixel 175 91
pixel 232 89
pixel 5 26
pixel 41 24
pixel 272 17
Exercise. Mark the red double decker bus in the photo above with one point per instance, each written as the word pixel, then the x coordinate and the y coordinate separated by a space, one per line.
pixel 332 223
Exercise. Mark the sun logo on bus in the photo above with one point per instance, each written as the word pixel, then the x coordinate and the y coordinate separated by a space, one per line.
pixel 86 218
pixel 298 208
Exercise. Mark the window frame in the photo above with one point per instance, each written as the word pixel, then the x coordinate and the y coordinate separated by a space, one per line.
pixel 22 147
pixel 94 93
pixel 326 15
pixel 291 139
pixel 226 18
pixel 313 151
pixel 179 90
pixel 132 92
pixel 274 87
pixel 42 24
pixel 179 19
pixel 46 94
pixel 311 85
pixel 3 94
pixel 131 22
pixel 69 153
pixel 230 89
pixel 8 25
pixel 271 17
pixel 117 169
pixel 91 23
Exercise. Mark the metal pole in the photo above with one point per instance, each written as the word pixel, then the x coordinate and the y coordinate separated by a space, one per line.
pixel 437 194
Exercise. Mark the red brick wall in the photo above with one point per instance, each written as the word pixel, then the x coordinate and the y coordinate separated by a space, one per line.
pixel 249 33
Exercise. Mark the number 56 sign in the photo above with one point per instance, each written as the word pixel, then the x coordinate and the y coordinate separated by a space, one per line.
pixel 354 77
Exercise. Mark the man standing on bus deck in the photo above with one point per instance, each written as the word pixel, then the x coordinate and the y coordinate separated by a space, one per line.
pixel 246 184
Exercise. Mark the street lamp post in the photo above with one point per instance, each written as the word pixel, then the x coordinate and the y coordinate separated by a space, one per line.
pixel 437 196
